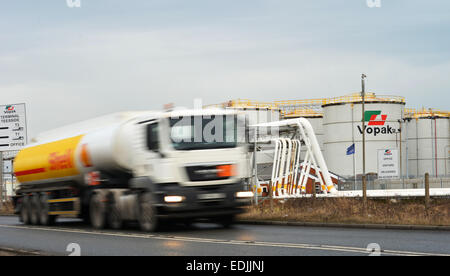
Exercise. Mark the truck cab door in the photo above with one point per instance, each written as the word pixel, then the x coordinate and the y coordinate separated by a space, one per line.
pixel 149 158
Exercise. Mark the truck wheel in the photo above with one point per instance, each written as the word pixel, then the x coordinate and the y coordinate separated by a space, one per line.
pixel 97 208
pixel 114 218
pixel 227 221
pixel 45 218
pixel 25 210
pixel 147 213
pixel 35 209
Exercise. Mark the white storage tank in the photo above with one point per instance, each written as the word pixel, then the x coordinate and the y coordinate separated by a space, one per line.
pixel 342 124
pixel 428 143
pixel 256 113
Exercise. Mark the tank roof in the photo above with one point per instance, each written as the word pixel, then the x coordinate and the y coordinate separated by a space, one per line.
pixel 313 108
pixel 306 113
pixel 244 104
pixel 369 97
pixel 426 113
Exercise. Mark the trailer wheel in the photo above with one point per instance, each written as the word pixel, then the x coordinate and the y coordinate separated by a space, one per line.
pixel 35 207
pixel 97 208
pixel 25 210
pixel 45 218
pixel 147 215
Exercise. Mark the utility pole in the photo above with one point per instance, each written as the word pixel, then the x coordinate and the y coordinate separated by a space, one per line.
pixel 401 153
pixel 255 165
pixel 427 191
pixel 364 183
pixel 407 120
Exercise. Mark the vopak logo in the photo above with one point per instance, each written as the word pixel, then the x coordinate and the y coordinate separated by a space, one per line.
pixel 376 123
pixel 9 109
pixel 372 116
pixel 387 152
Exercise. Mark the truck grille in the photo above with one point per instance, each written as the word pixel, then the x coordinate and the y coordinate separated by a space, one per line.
pixel 208 172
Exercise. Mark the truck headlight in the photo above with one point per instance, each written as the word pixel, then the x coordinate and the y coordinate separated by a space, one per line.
pixel 244 194
pixel 174 199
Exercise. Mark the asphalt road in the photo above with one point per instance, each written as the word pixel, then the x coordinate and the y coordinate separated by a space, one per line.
pixel 202 239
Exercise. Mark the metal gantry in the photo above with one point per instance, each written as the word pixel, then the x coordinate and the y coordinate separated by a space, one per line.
pixel 290 174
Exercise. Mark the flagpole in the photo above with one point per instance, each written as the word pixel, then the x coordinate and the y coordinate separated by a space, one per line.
pixel 353 141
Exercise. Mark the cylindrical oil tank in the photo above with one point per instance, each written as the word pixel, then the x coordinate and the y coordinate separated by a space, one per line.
pixel 256 112
pixel 428 144
pixel 257 115
pixel 342 124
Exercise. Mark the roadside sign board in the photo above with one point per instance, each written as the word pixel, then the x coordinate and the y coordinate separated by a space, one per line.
pixel 13 130
pixel 388 167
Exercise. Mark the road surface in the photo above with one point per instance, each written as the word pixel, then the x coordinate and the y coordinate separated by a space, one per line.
pixel 202 239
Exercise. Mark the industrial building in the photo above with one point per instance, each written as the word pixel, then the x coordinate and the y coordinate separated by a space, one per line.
pixel 417 141
pixel 428 142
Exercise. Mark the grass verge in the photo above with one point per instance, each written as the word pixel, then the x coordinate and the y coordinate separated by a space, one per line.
pixel 351 211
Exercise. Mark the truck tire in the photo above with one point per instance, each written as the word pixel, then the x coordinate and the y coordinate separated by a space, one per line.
pixel 147 215
pixel 44 217
pixel 35 207
pixel 97 211
pixel 227 221
pixel 25 210
pixel 114 216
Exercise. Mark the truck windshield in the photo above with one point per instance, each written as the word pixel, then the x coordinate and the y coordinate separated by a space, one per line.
pixel 204 132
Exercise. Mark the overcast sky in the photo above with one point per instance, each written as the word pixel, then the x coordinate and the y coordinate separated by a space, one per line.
pixel 70 64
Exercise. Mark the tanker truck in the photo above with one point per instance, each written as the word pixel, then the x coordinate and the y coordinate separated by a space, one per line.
pixel 145 167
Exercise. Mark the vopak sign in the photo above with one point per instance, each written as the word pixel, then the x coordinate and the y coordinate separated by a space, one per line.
pixel 9 109
pixel 376 123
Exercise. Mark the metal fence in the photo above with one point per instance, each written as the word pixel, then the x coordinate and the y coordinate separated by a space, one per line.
pixel 8 182
pixel 383 184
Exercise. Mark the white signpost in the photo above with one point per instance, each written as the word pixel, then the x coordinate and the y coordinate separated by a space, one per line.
pixel 388 161
pixel 13 137
pixel 13 129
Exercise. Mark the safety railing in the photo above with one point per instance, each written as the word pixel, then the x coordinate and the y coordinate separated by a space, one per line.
pixel 314 107
pixel 356 97
pixel 242 103
pixel 369 97
pixel 301 113
pixel 421 113
pixel 383 184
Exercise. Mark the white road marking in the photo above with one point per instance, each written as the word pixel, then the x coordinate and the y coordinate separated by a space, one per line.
pixel 225 242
